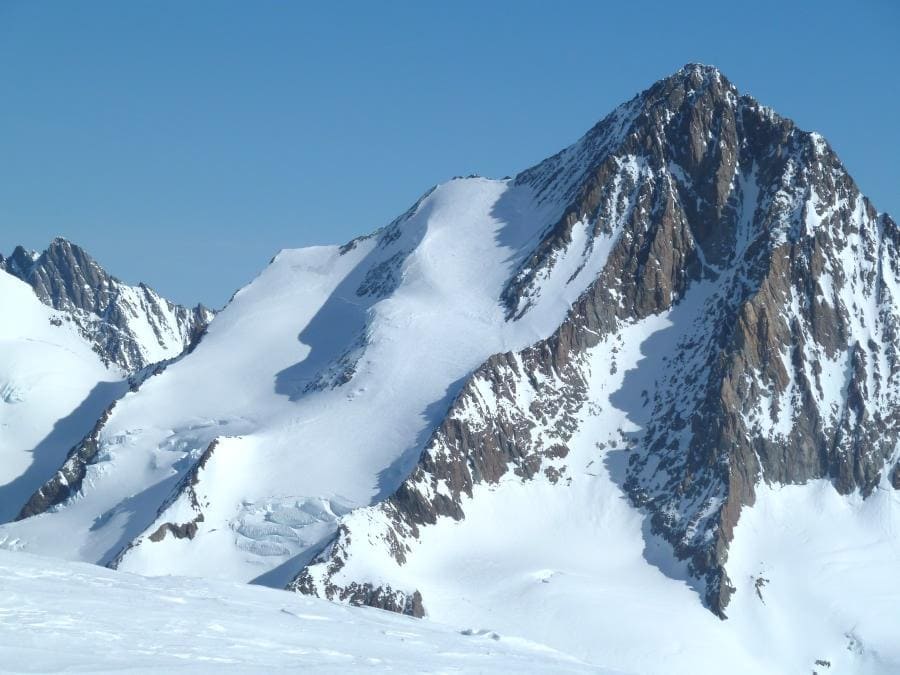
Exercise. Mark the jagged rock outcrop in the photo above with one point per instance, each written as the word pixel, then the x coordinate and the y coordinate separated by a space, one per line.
pixel 779 278
pixel 68 480
pixel 184 491
pixel 131 326
pixel 360 594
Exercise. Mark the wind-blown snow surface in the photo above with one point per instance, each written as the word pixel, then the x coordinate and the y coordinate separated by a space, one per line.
pixel 408 312
pixel 53 388
pixel 60 616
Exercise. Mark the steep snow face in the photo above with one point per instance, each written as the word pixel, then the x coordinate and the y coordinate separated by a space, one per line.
pixel 53 387
pixel 57 616
pixel 131 326
pixel 312 393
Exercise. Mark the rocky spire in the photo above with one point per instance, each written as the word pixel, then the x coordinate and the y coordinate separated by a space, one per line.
pixel 131 326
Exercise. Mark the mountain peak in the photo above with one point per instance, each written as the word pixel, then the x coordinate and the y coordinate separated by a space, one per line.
pixel 694 129
pixel 20 262
pixel 59 243
pixel 699 76
pixel 60 253
pixel 712 211
pixel 693 83
pixel 62 246
pixel 700 71
pixel 116 317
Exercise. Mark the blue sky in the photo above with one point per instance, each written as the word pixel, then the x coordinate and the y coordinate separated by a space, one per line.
pixel 184 143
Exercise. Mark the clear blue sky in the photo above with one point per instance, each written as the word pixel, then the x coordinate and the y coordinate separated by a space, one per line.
pixel 184 143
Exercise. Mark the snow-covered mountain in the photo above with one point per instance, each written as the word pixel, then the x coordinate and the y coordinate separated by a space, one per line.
pixel 130 326
pixel 312 393
pixel 743 330
pixel 646 385
pixel 74 339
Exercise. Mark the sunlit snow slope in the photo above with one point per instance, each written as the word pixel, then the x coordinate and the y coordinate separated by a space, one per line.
pixel 240 457
pixel 53 387
pixel 60 616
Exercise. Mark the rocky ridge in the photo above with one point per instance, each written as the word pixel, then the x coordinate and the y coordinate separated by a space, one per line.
pixel 129 326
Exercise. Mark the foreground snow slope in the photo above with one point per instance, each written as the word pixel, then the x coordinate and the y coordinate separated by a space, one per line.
pixel 53 388
pixel 62 616
pixel 240 457
pixel 584 585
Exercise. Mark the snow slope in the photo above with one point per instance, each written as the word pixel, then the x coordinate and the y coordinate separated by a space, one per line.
pixel 408 312
pixel 58 616
pixel 53 387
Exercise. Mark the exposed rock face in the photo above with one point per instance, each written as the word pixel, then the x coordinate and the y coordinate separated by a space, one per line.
pixel 186 489
pixel 131 326
pixel 178 530
pixel 781 280
pixel 382 597
pixel 67 481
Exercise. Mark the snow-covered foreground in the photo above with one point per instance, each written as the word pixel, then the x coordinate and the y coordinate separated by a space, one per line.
pixel 570 568
pixel 57 615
